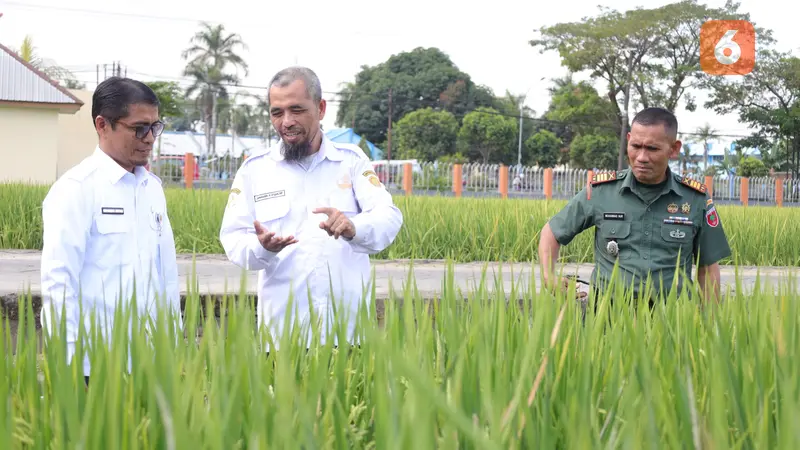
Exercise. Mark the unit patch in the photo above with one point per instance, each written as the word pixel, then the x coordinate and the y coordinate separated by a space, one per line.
pixel 686 208
pixel 694 184
pixel 672 208
pixel 712 219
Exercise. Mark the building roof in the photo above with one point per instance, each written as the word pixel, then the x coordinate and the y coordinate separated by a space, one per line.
pixel 24 85
pixel 348 136
pixel 178 143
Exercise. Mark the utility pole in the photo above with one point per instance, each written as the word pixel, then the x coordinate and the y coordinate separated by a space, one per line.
pixel 389 134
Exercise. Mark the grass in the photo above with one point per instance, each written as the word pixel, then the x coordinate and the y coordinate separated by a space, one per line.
pixel 481 375
pixel 466 229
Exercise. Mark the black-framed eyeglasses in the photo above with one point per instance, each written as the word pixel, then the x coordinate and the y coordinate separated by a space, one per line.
pixel 142 130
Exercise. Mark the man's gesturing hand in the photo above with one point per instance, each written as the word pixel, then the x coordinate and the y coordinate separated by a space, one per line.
pixel 269 241
pixel 337 224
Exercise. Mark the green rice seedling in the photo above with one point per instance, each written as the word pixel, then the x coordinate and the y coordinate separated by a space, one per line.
pixel 461 229
pixel 476 369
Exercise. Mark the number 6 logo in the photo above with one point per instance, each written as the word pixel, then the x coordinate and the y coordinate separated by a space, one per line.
pixel 727 47
pixel 727 43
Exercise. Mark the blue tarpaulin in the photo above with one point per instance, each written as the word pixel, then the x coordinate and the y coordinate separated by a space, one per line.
pixel 348 136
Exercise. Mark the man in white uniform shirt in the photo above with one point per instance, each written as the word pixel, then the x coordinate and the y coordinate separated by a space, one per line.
pixel 307 213
pixel 106 229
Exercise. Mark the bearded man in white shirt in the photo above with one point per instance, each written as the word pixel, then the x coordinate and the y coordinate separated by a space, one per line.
pixel 106 228
pixel 307 213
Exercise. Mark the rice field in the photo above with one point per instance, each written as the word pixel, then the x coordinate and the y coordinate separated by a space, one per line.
pixel 474 374
pixel 464 230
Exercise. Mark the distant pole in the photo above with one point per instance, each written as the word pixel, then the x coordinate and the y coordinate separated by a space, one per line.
pixel 389 134
pixel 519 148
pixel 98 73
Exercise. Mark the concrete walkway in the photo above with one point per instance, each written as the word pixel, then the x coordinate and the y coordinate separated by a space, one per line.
pixel 19 272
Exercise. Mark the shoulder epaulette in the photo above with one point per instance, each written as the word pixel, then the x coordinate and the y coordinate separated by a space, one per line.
pixel 81 171
pixel 606 177
pixel 694 184
pixel 352 148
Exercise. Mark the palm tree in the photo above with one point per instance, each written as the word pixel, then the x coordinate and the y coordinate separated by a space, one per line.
pixel 209 85
pixel 212 50
pixel 706 134
pixel 47 66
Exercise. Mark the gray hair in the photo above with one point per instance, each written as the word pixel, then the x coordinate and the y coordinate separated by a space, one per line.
pixel 292 74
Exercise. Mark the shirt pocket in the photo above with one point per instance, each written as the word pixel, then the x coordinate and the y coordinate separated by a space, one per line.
pixel 619 232
pixel 344 200
pixel 112 241
pixel 273 214
pixel 678 238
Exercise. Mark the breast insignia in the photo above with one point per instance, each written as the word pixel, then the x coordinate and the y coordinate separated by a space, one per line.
pixel 694 184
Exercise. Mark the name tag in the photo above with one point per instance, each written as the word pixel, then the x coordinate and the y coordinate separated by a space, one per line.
pixel 113 211
pixel 614 216
pixel 269 195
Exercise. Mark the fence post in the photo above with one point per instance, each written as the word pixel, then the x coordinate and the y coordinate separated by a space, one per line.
pixel 502 182
pixel 188 169
pixel 408 181
pixel 779 192
pixel 457 181
pixel 548 183
pixel 710 185
pixel 589 176
pixel 744 193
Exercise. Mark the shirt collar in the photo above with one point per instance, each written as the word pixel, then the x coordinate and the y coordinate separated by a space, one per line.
pixel 326 150
pixel 670 185
pixel 113 171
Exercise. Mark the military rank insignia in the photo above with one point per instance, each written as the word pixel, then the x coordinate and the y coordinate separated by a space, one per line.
pixel 694 184
pixel 604 177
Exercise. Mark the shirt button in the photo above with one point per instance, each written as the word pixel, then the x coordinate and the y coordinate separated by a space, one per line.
pixel 647 233
pixel 645 256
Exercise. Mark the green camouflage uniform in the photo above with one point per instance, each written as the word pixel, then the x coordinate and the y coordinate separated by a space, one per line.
pixel 645 228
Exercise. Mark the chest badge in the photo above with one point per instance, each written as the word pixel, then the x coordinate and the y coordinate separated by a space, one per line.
pixel 686 208
pixel 677 234
pixel 612 248
pixel 672 208
pixel 158 221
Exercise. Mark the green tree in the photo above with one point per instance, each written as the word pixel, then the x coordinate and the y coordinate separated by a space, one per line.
pixel 170 95
pixel 752 167
pixel 426 134
pixel 488 135
pixel 544 148
pixel 705 134
pixel 416 79
pixel 647 57
pixel 594 151
pixel 211 51
pixel 577 108
pixel 768 99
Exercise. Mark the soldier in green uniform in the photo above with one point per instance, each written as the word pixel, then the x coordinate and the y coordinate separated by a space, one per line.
pixel 646 218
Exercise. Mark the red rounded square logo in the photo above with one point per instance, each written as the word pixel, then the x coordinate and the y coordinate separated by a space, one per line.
pixel 727 47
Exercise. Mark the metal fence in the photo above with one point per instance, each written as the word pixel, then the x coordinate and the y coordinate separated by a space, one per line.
pixel 436 178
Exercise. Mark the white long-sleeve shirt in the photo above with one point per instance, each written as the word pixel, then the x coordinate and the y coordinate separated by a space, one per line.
pixel 103 228
pixel 282 195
